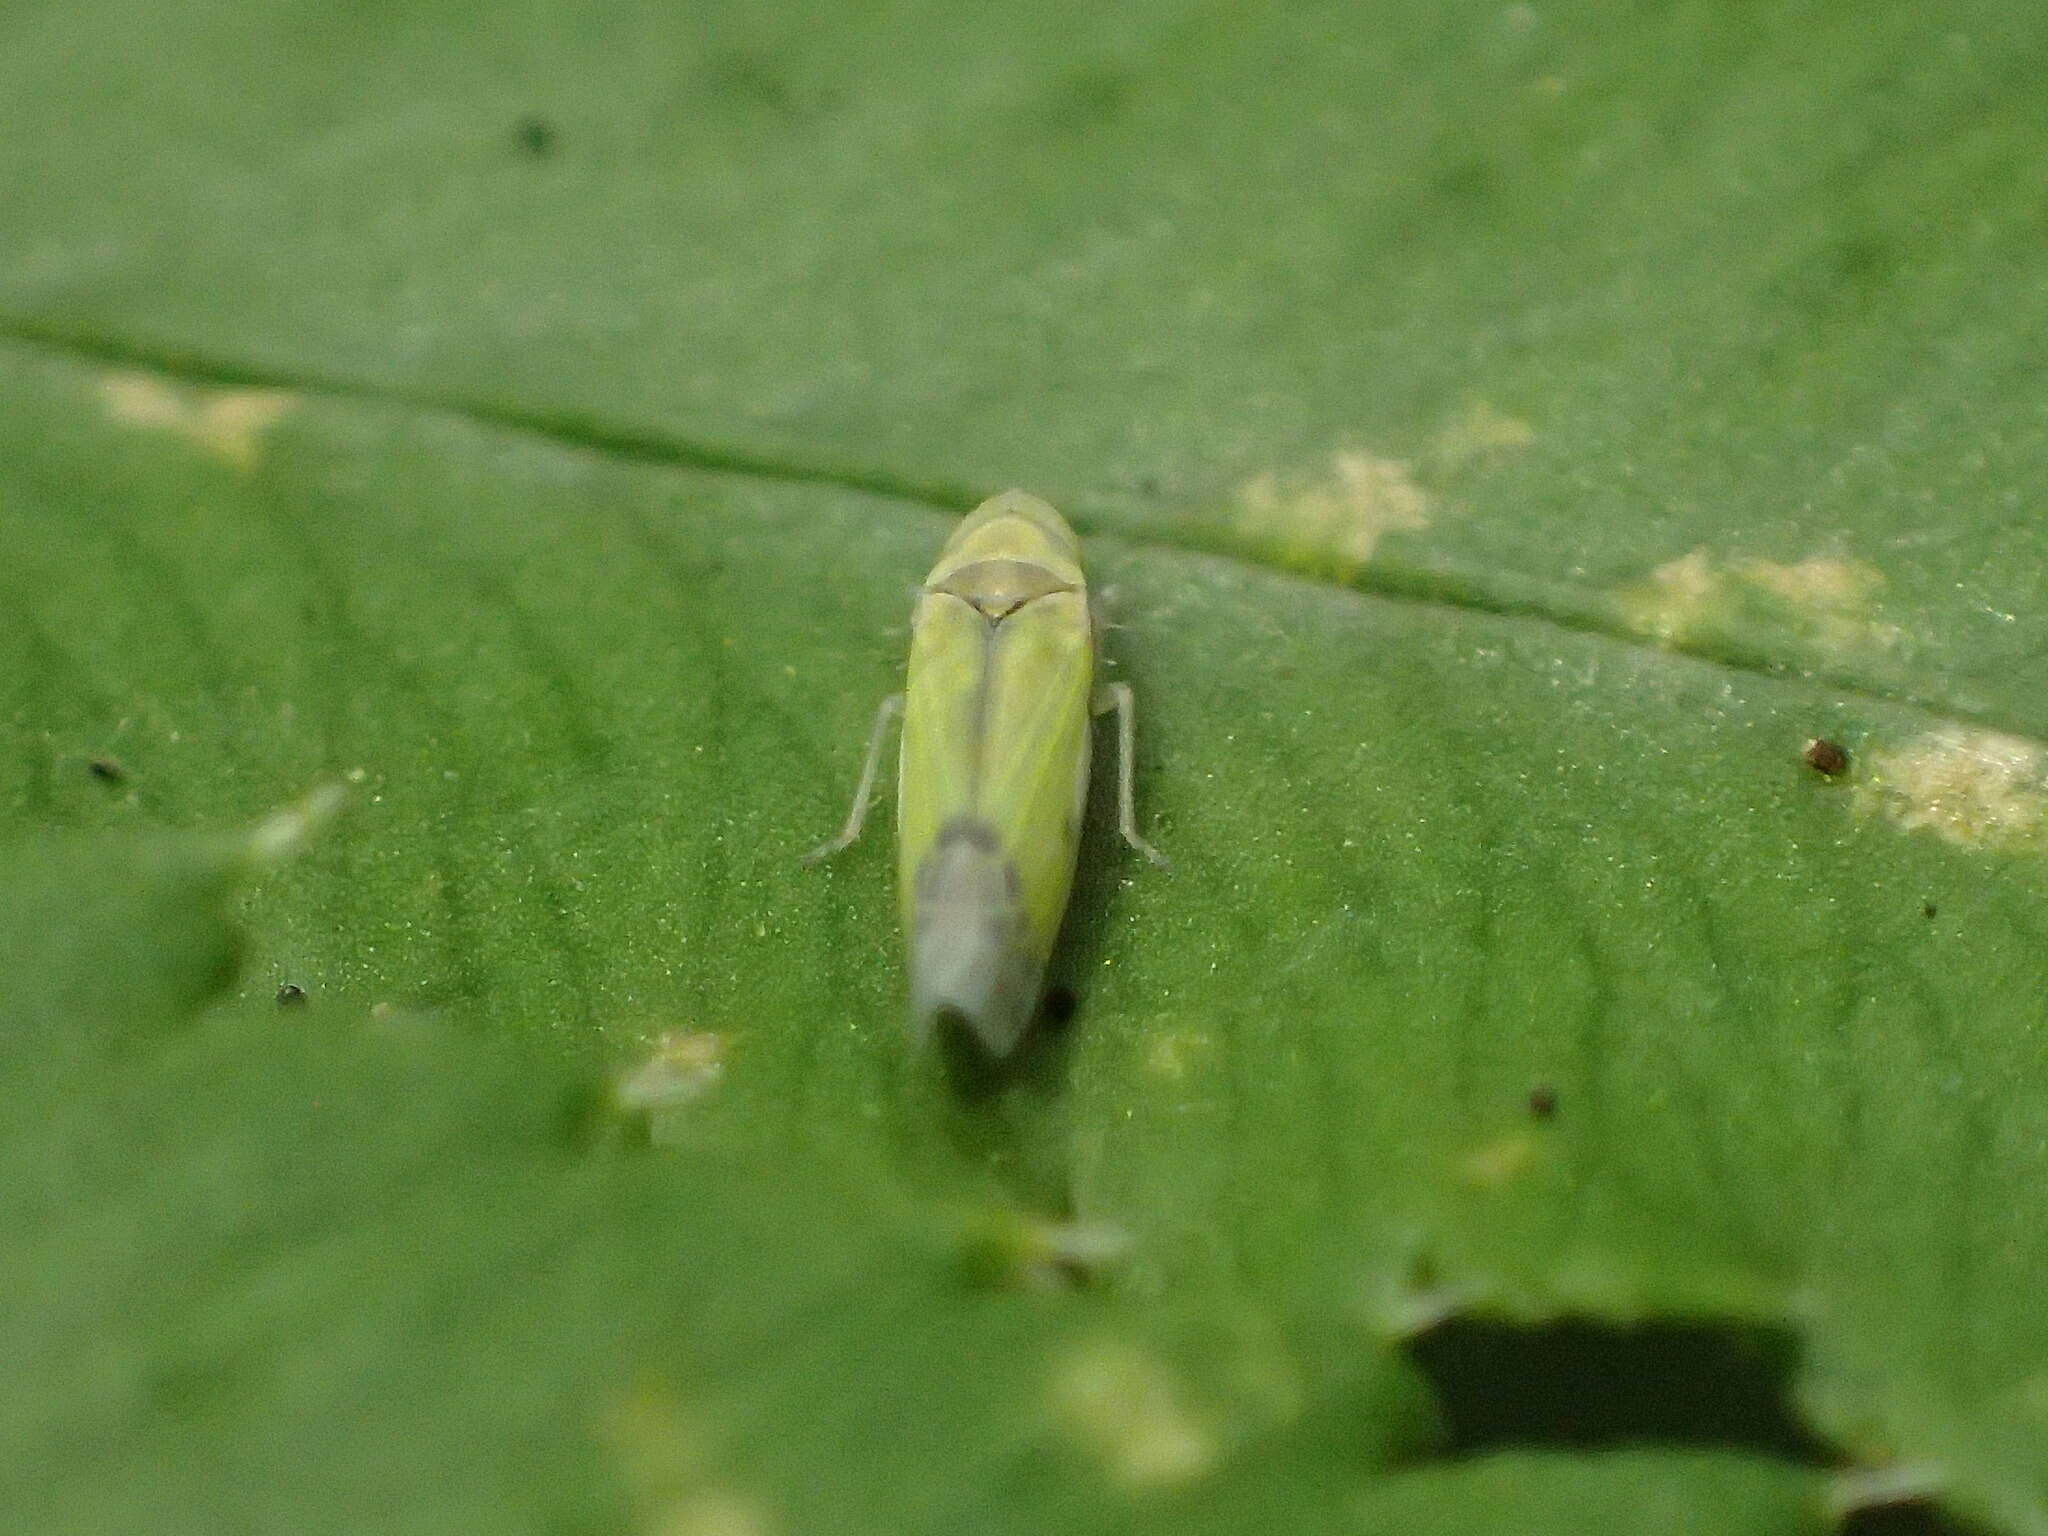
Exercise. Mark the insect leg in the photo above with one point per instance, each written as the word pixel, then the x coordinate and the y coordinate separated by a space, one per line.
pixel 891 707
pixel 1118 696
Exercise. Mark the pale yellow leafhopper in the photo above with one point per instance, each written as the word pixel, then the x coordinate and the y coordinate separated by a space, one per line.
pixel 993 771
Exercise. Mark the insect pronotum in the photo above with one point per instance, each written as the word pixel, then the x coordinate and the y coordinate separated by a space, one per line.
pixel 993 770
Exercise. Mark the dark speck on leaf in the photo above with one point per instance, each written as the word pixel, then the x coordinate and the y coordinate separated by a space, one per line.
pixel 1827 758
pixel 535 135
pixel 290 995
pixel 1059 1007
pixel 1928 910
pixel 1543 1101
pixel 106 770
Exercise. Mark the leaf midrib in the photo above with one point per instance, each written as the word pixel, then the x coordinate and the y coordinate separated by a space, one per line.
pixel 1510 594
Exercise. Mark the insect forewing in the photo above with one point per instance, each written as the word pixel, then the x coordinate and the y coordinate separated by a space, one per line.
pixel 994 766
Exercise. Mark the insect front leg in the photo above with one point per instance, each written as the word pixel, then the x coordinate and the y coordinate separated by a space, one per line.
pixel 857 817
pixel 1118 696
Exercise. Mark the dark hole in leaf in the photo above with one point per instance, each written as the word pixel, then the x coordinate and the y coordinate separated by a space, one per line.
pixel 1583 1385
pixel 1905 1518
pixel 1913 1517
pixel 1057 1011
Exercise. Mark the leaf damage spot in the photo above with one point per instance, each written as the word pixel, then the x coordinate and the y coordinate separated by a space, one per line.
pixel 285 830
pixel 227 423
pixel 1974 788
pixel 665 1456
pixel 716 1512
pixel 1124 1409
pixel 1011 1250
pixel 1172 1054
pixel 1330 526
pixel 1413 1297
pixel 1500 1162
pixel 1827 601
pixel 1479 432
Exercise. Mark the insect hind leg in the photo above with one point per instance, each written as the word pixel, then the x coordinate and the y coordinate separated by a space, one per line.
pixel 857 816
pixel 1118 696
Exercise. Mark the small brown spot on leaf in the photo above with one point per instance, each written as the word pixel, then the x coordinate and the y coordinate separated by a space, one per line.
pixel 106 770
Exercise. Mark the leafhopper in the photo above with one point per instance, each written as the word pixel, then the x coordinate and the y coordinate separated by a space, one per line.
pixel 993 768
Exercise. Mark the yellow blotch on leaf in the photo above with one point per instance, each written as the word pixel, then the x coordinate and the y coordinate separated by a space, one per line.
pixel 1124 1409
pixel 1974 788
pixel 1499 1163
pixel 227 423
pixel 1330 525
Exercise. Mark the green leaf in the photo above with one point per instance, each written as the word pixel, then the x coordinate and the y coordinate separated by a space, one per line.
pixel 1510 434
pixel 1655 1493
pixel 271 1268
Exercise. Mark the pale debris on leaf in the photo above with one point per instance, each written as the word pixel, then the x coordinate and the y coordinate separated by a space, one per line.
pixel 683 1066
pixel 1827 600
pixel 1479 431
pixel 283 831
pixel 1973 788
pixel 1333 525
pixel 1672 600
